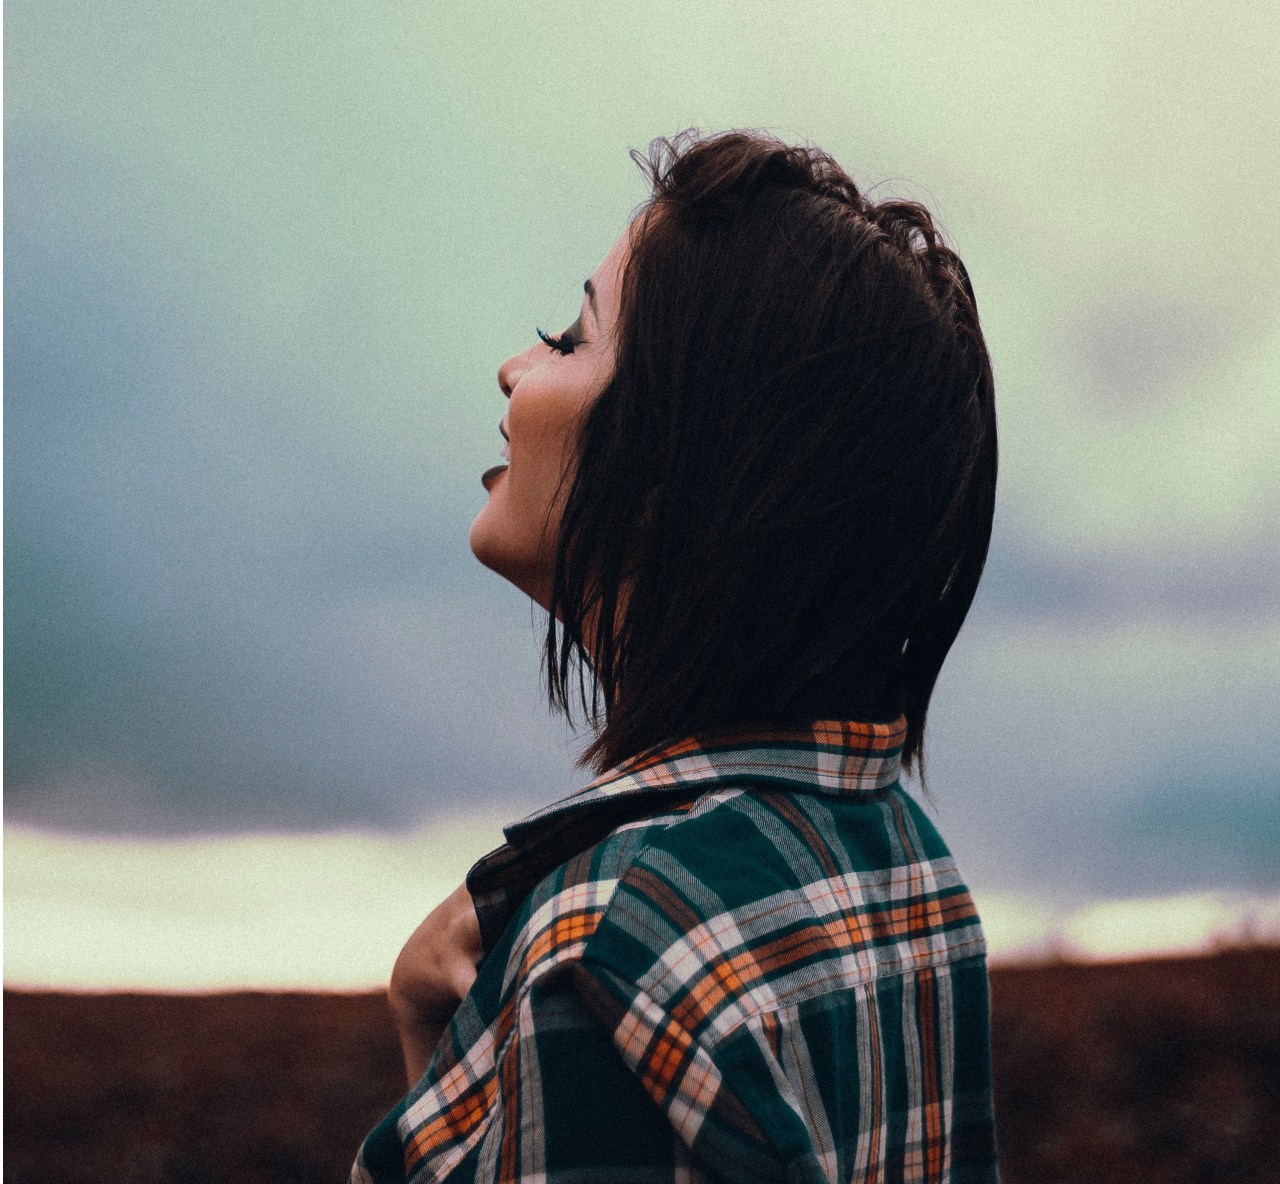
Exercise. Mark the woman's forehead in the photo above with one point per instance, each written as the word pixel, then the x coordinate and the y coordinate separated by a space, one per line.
pixel 602 288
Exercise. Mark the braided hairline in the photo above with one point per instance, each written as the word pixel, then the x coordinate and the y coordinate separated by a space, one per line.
pixel 910 228
pixel 907 226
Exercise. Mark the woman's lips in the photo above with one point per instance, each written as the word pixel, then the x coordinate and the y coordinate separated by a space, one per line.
pixel 489 476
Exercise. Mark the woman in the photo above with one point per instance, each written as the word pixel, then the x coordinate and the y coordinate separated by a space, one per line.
pixel 753 486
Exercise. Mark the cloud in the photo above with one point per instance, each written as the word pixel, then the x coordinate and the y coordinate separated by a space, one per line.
pixel 1202 828
pixel 1134 352
pixel 213 620
pixel 1057 747
pixel 1200 582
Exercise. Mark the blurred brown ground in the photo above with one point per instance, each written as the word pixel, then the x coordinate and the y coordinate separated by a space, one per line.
pixel 1161 1072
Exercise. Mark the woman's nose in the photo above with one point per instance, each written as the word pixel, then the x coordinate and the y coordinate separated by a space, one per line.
pixel 510 371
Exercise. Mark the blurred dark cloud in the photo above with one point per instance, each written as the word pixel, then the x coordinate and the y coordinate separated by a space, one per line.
pixel 1132 352
pixel 1201 582
pixel 1203 827
pixel 199 594
pixel 1210 822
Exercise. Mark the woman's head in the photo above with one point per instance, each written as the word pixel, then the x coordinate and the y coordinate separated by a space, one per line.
pixel 779 500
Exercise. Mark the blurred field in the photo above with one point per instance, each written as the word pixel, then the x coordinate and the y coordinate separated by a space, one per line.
pixel 1162 1072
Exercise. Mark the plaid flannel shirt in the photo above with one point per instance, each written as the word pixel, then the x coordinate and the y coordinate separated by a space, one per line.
pixel 745 958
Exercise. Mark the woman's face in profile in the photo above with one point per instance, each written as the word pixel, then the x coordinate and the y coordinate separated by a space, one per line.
pixel 550 386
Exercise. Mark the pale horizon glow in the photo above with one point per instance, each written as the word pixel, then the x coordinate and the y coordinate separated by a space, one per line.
pixel 270 912
pixel 329 912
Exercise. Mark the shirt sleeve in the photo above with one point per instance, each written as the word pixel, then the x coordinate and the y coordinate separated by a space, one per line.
pixel 569 1110
pixel 689 1087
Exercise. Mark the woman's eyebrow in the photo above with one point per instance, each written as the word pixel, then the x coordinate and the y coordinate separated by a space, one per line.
pixel 590 289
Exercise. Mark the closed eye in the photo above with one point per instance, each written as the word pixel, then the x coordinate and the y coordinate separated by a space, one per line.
pixel 567 341
pixel 562 345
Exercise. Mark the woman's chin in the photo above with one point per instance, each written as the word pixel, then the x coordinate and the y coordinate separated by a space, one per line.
pixel 484 545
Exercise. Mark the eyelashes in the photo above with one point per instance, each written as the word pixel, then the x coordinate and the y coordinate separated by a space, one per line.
pixel 562 345
pixel 566 342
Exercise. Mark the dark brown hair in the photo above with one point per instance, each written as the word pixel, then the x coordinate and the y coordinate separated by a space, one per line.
pixel 783 499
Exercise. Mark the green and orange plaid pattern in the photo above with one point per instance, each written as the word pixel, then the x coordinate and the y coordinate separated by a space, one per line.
pixel 747 957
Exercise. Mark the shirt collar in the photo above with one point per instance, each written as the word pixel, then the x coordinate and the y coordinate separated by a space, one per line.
pixel 835 757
